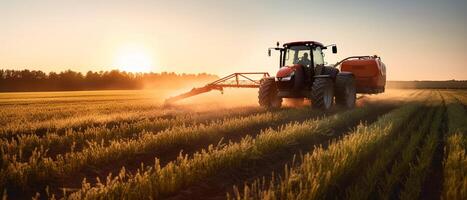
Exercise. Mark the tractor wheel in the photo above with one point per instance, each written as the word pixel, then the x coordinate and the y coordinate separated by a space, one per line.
pixel 322 93
pixel 346 92
pixel 267 95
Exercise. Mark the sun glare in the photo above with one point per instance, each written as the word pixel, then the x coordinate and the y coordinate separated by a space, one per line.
pixel 134 59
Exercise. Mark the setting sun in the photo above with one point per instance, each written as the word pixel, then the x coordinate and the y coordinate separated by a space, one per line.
pixel 134 59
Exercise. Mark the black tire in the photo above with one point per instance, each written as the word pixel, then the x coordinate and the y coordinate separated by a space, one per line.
pixel 267 95
pixel 346 91
pixel 322 93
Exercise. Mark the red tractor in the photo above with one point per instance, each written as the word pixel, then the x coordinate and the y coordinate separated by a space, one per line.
pixel 303 74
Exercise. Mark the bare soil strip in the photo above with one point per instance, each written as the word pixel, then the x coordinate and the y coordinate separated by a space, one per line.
pixel 433 183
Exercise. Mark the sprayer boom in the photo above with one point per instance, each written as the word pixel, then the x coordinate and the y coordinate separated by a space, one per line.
pixel 235 80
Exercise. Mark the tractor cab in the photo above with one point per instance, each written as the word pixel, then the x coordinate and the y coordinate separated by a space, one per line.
pixel 308 54
pixel 295 52
pixel 297 55
pixel 299 64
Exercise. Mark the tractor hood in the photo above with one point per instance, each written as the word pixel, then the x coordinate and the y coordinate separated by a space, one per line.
pixel 287 70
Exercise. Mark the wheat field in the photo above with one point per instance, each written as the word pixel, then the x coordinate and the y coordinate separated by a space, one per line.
pixel 403 144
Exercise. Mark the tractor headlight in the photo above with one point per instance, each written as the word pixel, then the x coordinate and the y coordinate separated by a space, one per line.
pixel 287 78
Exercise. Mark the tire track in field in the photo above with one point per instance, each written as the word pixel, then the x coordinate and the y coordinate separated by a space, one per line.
pixel 454 168
pixel 217 186
pixel 433 184
pixel 373 167
pixel 401 166
pixel 362 183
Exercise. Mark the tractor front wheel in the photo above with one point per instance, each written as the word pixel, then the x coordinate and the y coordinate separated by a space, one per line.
pixel 267 95
pixel 322 93
pixel 346 92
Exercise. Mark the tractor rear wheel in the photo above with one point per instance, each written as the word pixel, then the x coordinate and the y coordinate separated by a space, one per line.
pixel 267 95
pixel 346 92
pixel 322 93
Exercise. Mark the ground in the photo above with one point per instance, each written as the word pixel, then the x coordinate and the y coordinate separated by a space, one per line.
pixel 402 144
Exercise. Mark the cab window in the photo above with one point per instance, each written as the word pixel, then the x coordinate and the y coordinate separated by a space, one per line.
pixel 317 56
pixel 297 55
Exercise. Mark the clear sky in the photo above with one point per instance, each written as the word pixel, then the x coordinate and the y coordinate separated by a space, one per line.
pixel 418 39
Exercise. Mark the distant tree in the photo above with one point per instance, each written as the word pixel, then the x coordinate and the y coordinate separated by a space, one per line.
pixel 26 80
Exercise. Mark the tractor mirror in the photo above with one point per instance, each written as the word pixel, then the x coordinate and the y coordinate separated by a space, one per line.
pixel 334 49
pixel 269 52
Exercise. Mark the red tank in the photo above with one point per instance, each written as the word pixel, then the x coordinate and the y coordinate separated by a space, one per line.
pixel 369 71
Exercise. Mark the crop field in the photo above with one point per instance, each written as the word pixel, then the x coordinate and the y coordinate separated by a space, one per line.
pixel 402 144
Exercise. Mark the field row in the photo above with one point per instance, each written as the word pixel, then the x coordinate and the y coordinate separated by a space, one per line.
pixel 40 168
pixel 408 164
pixel 15 124
pixel 391 147
pixel 124 127
pixel 455 152
pixel 160 181
pixel 347 120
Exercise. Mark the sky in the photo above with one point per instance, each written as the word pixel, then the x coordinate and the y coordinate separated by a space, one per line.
pixel 417 40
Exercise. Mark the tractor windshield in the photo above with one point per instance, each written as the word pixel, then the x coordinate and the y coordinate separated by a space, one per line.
pixel 298 55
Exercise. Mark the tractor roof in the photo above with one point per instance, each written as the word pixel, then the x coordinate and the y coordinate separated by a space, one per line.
pixel 303 43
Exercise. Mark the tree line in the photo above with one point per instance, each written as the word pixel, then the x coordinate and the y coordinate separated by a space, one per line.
pixel 36 80
pixel 448 84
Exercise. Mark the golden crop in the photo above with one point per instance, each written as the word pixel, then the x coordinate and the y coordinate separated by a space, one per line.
pixel 126 145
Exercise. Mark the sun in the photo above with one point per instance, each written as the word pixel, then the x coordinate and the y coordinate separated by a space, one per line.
pixel 134 59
